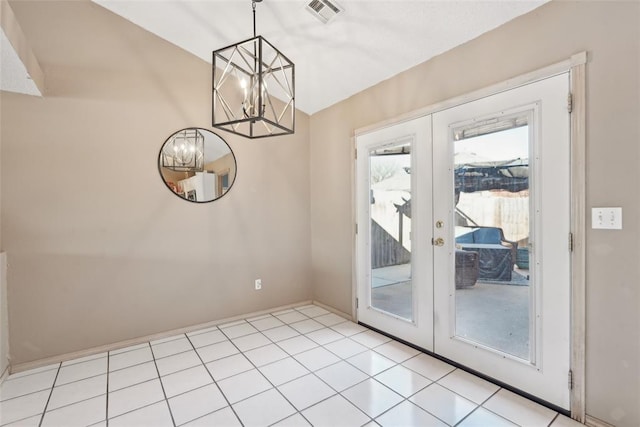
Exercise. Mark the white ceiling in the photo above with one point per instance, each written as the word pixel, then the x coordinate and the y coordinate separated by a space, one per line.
pixel 369 42
pixel 13 74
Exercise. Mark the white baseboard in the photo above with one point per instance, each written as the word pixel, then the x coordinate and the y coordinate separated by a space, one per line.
pixel 333 310
pixel 595 422
pixel 122 344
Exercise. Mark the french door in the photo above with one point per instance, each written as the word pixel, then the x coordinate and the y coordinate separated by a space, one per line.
pixel 394 283
pixel 464 221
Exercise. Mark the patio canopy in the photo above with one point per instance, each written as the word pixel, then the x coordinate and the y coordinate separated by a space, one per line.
pixel 511 175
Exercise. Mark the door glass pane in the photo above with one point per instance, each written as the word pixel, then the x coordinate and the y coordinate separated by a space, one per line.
pixel 390 211
pixel 491 216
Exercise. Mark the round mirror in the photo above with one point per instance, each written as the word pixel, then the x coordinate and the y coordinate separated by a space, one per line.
pixel 197 165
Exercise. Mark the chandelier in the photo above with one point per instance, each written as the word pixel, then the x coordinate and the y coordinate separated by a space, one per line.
pixel 184 151
pixel 253 88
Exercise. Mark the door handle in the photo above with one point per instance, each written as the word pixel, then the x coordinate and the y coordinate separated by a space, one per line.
pixel 438 242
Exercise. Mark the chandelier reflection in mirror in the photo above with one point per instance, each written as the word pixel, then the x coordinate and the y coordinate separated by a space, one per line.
pixel 184 151
pixel 253 88
pixel 197 165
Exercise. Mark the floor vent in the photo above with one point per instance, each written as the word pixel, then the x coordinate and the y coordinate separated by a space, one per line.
pixel 324 10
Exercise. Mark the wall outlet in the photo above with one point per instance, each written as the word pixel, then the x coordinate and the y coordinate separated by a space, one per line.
pixel 258 284
pixel 607 218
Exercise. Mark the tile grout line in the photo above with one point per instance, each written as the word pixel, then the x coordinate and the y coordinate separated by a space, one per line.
pixel 132 410
pixel 337 393
pixel 44 410
pixel 59 385
pixel 341 359
pixel 273 386
pixel 553 420
pixel 142 346
pixel 479 405
pixel 166 400
pixel 404 399
pixel 369 376
pixel 26 394
pixel 147 361
pixel 81 379
pixel 90 358
pixel 317 345
pixel 372 377
pixel 169 355
pixel 132 366
pixel 294 379
pixel 93 397
pixel 65 406
pixel 214 382
pixel 268 316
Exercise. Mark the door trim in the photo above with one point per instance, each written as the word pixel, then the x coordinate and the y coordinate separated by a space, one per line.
pixel 521 80
pixel 576 65
pixel 578 256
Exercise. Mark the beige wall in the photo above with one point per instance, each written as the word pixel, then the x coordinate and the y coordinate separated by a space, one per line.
pixel 93 261
pixel 610 32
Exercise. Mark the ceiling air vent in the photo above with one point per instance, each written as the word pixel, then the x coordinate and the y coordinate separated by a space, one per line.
pixel 324 10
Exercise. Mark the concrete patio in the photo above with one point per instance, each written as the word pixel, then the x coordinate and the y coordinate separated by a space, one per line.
pixel 491 314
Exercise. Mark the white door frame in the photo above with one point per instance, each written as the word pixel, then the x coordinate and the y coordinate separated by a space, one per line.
pixel 576 65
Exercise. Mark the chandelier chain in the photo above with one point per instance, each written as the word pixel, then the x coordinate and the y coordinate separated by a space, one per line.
pixel 253 7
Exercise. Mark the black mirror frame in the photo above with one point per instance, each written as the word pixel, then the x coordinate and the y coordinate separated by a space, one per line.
pixel 235 162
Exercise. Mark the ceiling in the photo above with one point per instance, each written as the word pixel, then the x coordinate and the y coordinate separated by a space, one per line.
pixel 13 74
pixel 370 41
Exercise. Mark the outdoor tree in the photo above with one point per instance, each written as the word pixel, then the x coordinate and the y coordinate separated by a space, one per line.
pixel 381 170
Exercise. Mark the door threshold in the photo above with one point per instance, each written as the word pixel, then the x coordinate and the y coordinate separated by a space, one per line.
pixel 492 380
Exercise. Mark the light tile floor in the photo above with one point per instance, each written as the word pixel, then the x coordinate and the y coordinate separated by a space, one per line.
pixel 297 367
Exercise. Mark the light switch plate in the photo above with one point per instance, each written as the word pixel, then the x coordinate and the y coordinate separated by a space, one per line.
pixel 606 218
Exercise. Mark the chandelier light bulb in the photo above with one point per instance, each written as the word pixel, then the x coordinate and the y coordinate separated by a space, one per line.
pixel 184 152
